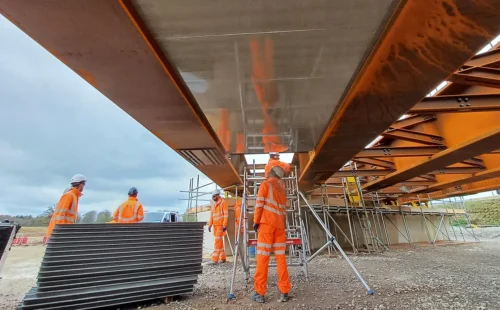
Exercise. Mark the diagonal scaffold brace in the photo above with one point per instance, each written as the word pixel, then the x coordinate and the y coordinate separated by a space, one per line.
pixel 334 242
pixel 237 245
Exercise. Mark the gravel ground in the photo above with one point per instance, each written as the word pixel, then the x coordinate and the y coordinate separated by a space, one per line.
pixel 465 276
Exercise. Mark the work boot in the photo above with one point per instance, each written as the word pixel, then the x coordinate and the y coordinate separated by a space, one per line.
pixel 222 261
pixel 258 298
pixel 211 263
pixel 283 297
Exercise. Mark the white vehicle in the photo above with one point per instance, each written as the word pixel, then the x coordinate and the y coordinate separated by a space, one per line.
pixel 162 217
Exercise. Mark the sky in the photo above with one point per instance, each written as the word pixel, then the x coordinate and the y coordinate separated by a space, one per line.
pixel 53 124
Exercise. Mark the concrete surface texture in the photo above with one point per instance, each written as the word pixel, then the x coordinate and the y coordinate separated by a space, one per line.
pixel 465 276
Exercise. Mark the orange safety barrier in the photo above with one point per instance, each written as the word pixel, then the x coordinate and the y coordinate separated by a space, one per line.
pixel 20 241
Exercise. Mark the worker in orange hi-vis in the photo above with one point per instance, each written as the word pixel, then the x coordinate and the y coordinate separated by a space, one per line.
pixel 237 214
pixel 66 211
pixel 274 161
pixel 131 211
pixel 218 220
pixel 269 223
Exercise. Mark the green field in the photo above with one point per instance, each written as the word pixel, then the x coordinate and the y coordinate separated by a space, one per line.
pixel 484 211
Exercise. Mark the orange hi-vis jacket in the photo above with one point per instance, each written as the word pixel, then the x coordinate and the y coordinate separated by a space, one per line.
pixel 218 213
pixel 131 211
pixel 270 207
pixel 237 214
pixel 66 211
pixel 273 163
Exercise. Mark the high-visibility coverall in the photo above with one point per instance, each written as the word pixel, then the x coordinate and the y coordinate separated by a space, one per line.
pixel 218 219
pixel 131 211
pixel 66 211
pixel 237 214
pixel 273 163
pixel 270 214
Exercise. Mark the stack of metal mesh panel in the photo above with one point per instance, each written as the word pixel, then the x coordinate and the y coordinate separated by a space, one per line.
pixel 89 266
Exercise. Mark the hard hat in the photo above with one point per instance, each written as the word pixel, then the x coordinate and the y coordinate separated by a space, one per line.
pixel 216 192
pixel 77 178
pixel 278 171
pixel 132 191
pixel 271 154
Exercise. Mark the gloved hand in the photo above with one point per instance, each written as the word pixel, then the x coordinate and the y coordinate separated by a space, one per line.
pixel 256 227
pixel 224 229
pixel 209 228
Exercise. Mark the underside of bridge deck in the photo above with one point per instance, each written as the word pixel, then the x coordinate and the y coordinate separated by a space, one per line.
pixel 320 78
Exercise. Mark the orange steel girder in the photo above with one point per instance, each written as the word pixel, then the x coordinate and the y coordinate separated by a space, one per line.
pixel 420 48
pixel 452 118
pixel 470 148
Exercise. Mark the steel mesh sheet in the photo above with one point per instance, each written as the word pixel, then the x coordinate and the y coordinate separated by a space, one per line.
pixel 89 266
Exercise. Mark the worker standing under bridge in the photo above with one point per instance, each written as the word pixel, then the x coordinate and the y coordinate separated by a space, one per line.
pixel 131 211
pixel 218 220
pixel 66 211
pixel 269 223
pixel 274 161
pixel 237 214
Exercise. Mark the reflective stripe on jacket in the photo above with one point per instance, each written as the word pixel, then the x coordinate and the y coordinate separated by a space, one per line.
pixel 66 211
pixel 218 213
pixel 273 163
pixel 270 207
pixel 131 211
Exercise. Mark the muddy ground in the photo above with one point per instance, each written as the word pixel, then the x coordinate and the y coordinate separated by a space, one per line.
pixel 465 276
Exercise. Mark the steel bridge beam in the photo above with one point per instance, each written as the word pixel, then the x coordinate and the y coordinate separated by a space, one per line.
pixel 480 176
pixel 413 121
pixel 404 151
pixel 489 77
pixel 478 145
pixel 395 76
pixel 413 136
pixel 362 173
pixel 376 162
pixel 459 190
pixel 458 103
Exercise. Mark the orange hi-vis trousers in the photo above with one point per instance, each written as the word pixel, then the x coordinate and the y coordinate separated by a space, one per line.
pixel 219 251
pixel 271 238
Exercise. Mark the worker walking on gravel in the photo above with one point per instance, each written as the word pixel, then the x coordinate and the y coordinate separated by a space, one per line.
pixel 269 223
pixel 66 211
pixel 274 161
pixel 131 211
pixel 218 219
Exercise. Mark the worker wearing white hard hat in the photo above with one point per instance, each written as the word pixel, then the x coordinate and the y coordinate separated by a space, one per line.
pixel 274 161
pixel 66 211
pixel 269 223
pixel 218 219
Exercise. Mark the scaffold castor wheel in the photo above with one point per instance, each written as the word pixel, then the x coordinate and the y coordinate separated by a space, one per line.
pixel 230 296
pixel 370 292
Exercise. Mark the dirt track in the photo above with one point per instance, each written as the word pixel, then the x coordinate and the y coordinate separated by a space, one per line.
pixel 444 277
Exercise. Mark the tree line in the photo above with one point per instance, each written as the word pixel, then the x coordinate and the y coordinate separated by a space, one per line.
pixel 91 217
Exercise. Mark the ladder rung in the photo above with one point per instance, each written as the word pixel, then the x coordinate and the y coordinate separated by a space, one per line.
pixel 253 242
pixel 253 197
pixel 274 265
pixel 286 230
pixel 252 178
